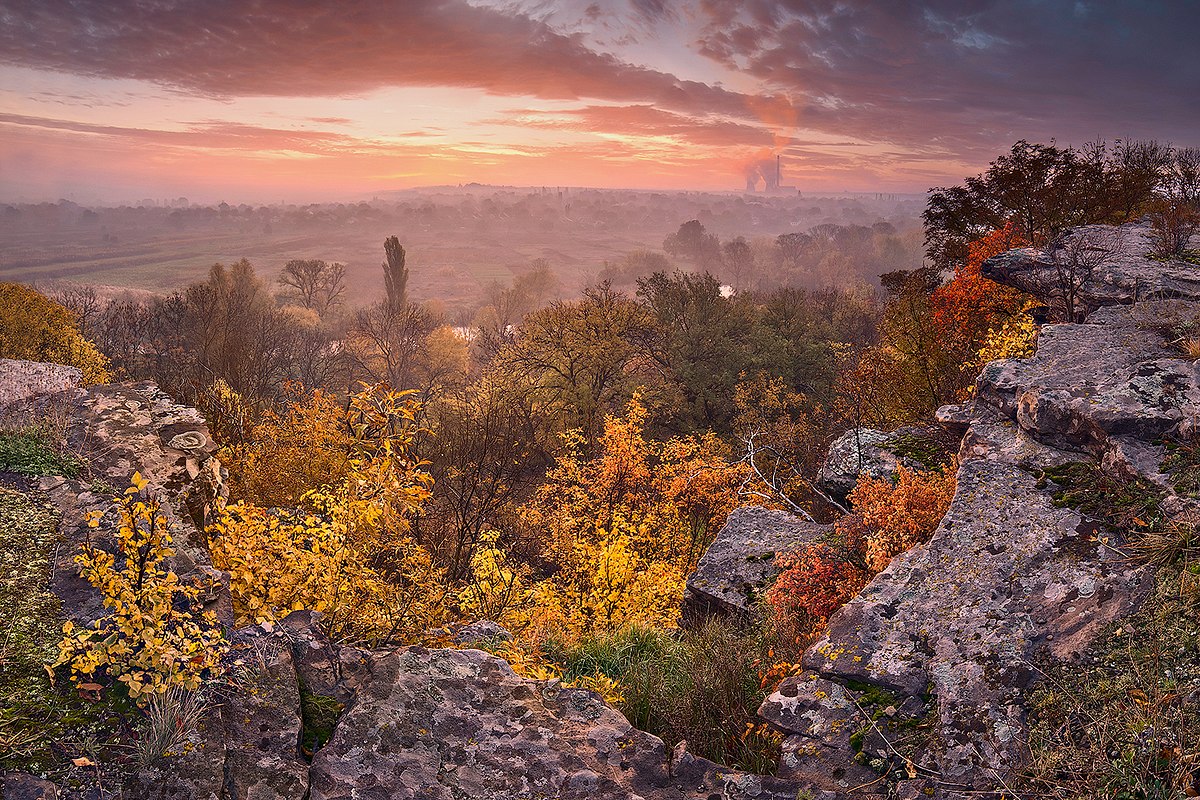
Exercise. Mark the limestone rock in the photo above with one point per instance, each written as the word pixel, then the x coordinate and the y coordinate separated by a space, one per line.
pixel 740 563
pixel 866 451
pixel 262 721
pixel 459 724
pixel 1117 269
pixel 21 381
pixel 1009 579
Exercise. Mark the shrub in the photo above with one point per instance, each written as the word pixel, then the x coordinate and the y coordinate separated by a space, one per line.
pixel 890 517
pixel 35 328
pixel 152 639
pixel 897 515
pixel 351 555
pixel 813 582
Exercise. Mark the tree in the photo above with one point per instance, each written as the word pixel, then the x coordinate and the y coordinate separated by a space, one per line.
pixel 395 276
pixel 696 244
pixel 319 285
pixel 739 261
pixel 705 342
pixel 582 359
pixel 1043 190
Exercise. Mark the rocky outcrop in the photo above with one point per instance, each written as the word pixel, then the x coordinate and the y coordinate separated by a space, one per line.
pixel 460 725
pixel 118 430
pixel 866 451
pixel 740 563
pixel 960 629
pixel 1099 264
pixel 24 380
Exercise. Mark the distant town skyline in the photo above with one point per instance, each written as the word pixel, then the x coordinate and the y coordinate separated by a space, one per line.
pixel 271 101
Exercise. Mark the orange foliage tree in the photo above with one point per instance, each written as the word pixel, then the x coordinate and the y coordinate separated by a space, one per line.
pixel 624 527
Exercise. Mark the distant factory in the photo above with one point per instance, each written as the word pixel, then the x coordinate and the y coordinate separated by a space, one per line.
pixel 768 173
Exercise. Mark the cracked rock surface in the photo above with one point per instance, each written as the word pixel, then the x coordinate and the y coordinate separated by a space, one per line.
pixel 1009 580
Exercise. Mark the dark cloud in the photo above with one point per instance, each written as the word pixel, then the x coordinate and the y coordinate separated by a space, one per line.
pixel 970 76
pixel 281 47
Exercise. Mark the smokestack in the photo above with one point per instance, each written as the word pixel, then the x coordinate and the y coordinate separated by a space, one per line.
pixel 778 171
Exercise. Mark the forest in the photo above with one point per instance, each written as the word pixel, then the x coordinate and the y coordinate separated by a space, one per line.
pixel 558 462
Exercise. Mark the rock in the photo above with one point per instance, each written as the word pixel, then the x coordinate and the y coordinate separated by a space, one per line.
pixel 120 429
pixel 21 381
pixel 262 721
pixel 740 563
pixel 457 724
pixel 1114 267
pixel 197 773
pixel 1009 580
pixel 1112 376
pixel 820 718
pixel 483 631
pixel 20 786
pixel 866 451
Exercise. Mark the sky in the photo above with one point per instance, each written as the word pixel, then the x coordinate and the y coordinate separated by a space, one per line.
pixel 305 100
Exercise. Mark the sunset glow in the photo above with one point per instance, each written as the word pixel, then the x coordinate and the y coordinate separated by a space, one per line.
pixel 275 100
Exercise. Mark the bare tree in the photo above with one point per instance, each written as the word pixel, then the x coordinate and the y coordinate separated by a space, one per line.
pixel 1074 259
pixel 1172 226
pixel 319 285
pixel 84 304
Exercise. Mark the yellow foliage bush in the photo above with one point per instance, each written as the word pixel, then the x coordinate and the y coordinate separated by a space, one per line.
pixel 151 640
pixel 897 515
pixel 1016 337
pixel 288 455
pixel 35 328
pixel 350 554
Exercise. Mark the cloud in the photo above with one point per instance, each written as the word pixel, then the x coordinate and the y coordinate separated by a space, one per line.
pixel 226 48
pixel 644 121
pixel 968 77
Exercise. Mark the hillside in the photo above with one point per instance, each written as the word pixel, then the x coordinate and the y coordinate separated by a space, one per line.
pixel 1045 633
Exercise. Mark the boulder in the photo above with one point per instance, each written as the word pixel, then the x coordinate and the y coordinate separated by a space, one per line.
pixel 20 786
pixel 740 563
pixel 21 381
pixel 866 451
pixel 459 724
pixel 1102 265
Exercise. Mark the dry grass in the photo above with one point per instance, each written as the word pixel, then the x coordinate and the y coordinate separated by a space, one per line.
pixel 171 719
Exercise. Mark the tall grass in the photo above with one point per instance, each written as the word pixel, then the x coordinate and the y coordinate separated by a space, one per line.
pixel 703 686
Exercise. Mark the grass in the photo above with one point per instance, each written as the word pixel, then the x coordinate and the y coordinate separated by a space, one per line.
pixel 1182 464
pixel 1124 505
pixel 33 452
pixel 318 716
pixel 703 686
pixel 1123 721
pixel 39 722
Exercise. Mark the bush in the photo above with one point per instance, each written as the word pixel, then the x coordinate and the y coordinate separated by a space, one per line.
pixel 153 639
pixel 703 686
pixel 35 328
